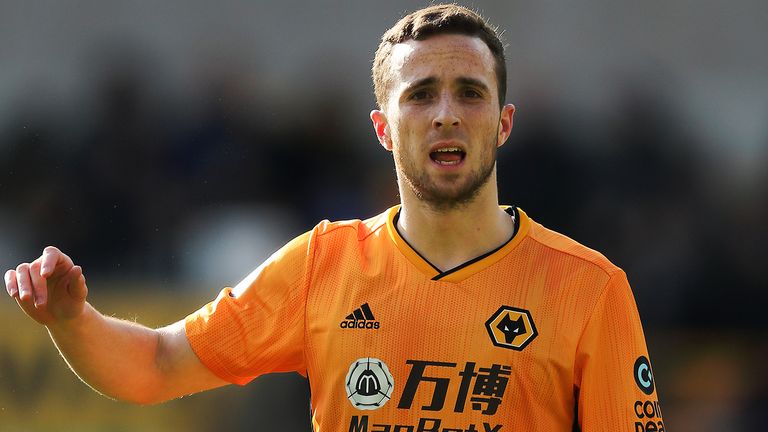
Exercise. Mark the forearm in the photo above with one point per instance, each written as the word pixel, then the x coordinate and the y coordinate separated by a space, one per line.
pixel 115 357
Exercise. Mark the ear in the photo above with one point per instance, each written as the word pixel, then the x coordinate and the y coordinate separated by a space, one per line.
pixel 505 124
pixel 381 127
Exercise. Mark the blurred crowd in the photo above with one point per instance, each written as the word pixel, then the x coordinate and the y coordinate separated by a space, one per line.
pixel 123 188
pixel 145 185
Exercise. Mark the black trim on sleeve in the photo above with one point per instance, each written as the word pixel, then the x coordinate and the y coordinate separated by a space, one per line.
pixel 576 427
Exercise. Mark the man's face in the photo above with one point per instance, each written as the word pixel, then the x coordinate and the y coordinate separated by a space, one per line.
pixel 442 120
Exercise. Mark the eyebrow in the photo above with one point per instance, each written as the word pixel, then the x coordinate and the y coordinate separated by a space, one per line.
pixel 424 82
pixel 467 81
pixel 428 81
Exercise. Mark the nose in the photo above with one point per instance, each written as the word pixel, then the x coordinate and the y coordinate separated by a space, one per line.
pixel 445 114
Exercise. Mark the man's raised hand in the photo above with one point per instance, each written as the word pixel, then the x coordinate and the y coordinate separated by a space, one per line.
pixel 50 289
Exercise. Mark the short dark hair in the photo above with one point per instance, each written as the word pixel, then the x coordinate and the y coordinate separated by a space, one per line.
pixel 431 21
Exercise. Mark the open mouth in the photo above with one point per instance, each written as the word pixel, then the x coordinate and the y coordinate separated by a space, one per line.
pixel 448 156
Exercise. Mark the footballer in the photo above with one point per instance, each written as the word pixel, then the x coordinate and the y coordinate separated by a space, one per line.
pixel 446 312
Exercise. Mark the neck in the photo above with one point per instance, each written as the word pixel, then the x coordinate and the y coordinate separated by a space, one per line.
pixel 450 237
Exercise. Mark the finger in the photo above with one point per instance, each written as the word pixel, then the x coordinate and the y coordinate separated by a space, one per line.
pixel 39 285
pixel 77 287
pixel 10 283
pixel 54 262
pixel 24 282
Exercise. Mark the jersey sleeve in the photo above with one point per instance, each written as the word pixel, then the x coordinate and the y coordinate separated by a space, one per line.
pixel 614 380
pixel 257 327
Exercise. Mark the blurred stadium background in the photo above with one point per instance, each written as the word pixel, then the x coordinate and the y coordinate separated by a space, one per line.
pixel 170 146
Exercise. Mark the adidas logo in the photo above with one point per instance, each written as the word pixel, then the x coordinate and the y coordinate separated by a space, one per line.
pixel 360 318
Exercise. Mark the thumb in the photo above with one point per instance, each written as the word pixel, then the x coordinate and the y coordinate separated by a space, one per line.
pixel 76 283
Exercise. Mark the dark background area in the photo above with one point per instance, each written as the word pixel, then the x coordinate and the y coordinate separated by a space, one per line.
pixel 174 146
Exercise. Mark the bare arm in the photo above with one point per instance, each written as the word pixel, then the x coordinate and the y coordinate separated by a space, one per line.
pixel 118 358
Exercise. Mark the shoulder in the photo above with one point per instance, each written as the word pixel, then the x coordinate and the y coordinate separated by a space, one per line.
pixel 328 235
pixel 565 247
pixel 351 229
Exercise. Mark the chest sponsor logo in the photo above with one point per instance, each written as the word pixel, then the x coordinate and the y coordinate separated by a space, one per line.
pixel 479 388
pixel 369 383
pixel 361 318
pixel 512 328
pixel 361 424
pixel 483 386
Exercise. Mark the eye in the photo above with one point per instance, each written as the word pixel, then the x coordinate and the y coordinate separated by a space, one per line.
pixel 471 93
pixel 419 95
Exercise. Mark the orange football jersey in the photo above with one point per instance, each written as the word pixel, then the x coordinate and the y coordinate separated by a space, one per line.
pixel 541 334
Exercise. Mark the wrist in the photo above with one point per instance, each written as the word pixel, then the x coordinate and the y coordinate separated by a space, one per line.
pixel 73 324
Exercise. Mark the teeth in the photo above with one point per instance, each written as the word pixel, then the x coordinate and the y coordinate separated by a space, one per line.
pixel 448 149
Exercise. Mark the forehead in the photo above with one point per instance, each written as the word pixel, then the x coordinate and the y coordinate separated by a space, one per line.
pixel 442 56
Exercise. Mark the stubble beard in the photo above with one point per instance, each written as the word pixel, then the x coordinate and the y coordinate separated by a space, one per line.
pixel 443 199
